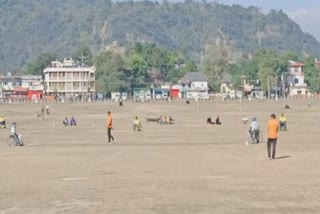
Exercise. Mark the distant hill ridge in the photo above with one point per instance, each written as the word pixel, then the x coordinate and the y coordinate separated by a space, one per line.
pixel 29 28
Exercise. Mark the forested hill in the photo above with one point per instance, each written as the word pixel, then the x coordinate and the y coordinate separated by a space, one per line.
pixel 30 28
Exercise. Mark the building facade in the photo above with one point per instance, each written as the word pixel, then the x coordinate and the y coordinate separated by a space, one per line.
pixel 68 79
pixel 194 85
pixel 296 81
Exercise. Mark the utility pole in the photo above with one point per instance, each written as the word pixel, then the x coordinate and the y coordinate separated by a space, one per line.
pixel 268 87
pixel 82 78
pixel 283 86
pixel 276 87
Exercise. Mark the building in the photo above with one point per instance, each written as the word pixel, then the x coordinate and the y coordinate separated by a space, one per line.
pixel 68 79
pixel 297 84
pixel 226 84
pixel 194 85
pixel 8 84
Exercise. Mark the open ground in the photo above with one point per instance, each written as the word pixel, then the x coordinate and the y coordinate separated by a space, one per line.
pixel 187 167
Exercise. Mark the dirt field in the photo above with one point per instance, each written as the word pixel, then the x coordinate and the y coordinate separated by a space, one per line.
pixel 188 167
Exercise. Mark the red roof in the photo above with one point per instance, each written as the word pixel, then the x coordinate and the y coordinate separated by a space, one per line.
pixel 297 64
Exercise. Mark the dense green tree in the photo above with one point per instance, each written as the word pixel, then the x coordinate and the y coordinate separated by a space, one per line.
pixel 110 72
pixel 37 67
pixel 83 56
pixel 312 74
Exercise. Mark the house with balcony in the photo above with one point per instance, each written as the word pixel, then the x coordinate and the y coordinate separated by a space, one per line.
pixel 194 85
pixel 296 81
pixel 69 79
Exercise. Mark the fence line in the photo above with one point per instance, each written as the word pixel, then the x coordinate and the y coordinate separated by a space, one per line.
pixel 108 100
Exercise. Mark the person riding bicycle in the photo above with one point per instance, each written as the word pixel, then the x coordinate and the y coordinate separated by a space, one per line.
pixel 254 129
pixel 14 132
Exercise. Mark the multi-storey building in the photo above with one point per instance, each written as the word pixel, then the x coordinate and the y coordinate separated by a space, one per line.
pixel 69 79
pixel 297 84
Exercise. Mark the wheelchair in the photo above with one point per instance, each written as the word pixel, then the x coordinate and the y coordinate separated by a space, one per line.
pixel 13 140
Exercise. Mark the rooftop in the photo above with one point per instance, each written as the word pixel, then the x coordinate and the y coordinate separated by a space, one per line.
pixel 194 77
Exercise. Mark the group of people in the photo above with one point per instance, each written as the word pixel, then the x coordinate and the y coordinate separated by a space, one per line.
pixel 272 131
pixel 217 122
pixel 254 129
pixel 164 120
pixel 13 130
pixel 73 122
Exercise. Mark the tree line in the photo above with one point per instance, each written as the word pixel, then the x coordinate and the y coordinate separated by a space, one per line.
pixel 146 64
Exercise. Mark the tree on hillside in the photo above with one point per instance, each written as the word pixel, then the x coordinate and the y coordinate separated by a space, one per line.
pixel 36 67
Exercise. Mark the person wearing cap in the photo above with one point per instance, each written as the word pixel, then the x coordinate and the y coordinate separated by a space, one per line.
pixel 254 129
pixel 272 130
pixel 2 122
pixel 109 127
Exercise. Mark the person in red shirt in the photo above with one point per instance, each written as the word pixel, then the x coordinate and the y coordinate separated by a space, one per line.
pixel 109 127
pixel 273 127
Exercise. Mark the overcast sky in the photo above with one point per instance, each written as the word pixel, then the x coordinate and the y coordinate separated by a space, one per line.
pixel 305 12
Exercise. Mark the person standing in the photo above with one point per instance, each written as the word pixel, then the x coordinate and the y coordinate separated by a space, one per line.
pixel 273 128
pixel 109 127
pixel 47 109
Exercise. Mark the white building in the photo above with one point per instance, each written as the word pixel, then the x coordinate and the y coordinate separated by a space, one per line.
pixel 297 84
pixel 195 85
pixel 68 79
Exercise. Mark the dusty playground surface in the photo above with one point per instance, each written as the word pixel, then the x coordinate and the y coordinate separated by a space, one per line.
pixel 187 167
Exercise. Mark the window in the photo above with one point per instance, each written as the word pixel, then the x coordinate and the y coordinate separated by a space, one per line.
pixel 296 70
pixel 296 81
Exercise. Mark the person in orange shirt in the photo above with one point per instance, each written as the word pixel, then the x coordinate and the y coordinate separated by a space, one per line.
pixel 109 127
pixel 273 127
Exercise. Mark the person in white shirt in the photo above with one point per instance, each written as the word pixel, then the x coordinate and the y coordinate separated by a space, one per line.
pixel 47 108
pixel 254 129
pixel 245 119
pixel 13 131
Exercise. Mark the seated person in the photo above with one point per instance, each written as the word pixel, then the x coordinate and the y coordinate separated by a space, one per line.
pixel 287 106
pixel 65 121
pixel 160 120
pixel 120 103
pixel 218 122
pixel 254 129
pixel 2 122
pixel 14 132
pixel 137 125
pixel 245 119
pixel 283 122
pixel 209 121
pixel 171 120
pixel 187 102
pixel 73 122
pixel 165 121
